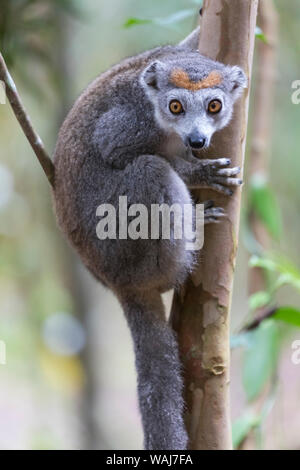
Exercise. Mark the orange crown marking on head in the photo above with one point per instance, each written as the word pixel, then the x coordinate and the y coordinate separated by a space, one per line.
pixel 181 79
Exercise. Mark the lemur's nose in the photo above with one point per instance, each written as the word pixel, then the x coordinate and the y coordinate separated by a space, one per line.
pixel 197 141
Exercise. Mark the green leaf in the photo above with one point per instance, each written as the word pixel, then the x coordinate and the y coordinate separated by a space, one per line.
pixel 242 426
pixel 259 299
pixel 287 279
pixel 135 22
pixel 260 359
pixel 289 315
pixel 263 201
pixel 289 273
pixel 251 421
pixel 260 35
pixel 166 21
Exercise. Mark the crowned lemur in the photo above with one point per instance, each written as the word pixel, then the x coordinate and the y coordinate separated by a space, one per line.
pixel 136 131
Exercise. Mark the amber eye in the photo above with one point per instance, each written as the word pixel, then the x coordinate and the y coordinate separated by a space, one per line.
pixel 214 106
pixel 175 107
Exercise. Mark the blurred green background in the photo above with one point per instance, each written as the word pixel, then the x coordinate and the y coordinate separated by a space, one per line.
pixel 69 378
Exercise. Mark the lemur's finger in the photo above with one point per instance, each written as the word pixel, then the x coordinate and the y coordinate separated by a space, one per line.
pixel 219 162
pixel 216 163
pixel 228 181
pixel 221 189
pixel 211 220
pixel 215 212
pixel 207 204
pixel 229 171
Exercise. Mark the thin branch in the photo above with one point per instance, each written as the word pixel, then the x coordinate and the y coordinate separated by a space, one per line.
pixel 264 315
pixel 25 122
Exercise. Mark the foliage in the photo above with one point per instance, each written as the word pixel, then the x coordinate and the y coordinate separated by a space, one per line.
pixel 169 21
pixel 28 31
pixel 243 426
pixel 263 202
pixel 289 315
pixel 251 420
pixel 32 288
pixel 174 18
pixel 260 35
pixel 260 358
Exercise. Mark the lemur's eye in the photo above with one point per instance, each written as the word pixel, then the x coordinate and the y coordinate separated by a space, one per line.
pixel 214 106
pixel 175 107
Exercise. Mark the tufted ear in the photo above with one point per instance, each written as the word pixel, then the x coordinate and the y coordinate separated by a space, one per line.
pixel 238 81
pixel 150 75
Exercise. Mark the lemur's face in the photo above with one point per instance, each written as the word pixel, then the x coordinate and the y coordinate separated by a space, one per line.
pixel 194 115
pixel 191 103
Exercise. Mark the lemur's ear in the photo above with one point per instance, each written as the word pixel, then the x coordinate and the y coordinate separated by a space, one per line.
pixel 238 80
pixel 151 74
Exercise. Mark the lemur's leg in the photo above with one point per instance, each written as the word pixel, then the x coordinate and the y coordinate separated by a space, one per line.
pixel 213 174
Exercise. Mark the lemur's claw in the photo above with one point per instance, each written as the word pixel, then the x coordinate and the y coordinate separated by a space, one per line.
pixel 225 180
pixel 207 204
pixel 213 215
pixel 221 189
pixel 219 162
pixel 229 171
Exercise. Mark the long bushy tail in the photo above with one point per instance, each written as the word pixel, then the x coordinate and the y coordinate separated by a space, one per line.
pixel 159 372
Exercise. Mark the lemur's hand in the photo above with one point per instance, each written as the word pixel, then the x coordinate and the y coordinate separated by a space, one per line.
pixel 215 176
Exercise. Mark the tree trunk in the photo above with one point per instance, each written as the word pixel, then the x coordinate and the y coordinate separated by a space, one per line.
pixel 200 312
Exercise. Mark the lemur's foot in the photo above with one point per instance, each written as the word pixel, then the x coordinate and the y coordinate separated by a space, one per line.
pixel 219 178
pixel 212 215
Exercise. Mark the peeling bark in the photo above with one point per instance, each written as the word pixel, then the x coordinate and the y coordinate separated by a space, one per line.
pixel 200 312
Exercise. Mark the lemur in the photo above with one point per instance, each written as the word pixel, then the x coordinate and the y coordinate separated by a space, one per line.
pixel 135 132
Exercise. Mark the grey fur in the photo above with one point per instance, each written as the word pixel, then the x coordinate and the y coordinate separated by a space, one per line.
pixel 120 139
